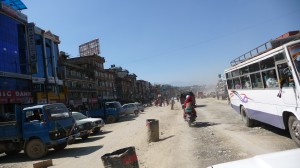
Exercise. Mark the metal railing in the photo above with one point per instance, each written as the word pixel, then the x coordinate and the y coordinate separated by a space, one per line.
pixel 267 46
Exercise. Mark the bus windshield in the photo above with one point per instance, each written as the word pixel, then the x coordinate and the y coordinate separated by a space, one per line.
pixel 294 52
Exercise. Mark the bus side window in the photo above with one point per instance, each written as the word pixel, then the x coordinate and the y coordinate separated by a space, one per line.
pixel 245 82
pixel 230 84
pixel 270 78
pixel 297 64
pixel 237 83
pixel 285 76
pixel 256 80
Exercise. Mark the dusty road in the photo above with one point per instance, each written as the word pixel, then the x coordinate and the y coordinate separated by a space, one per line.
pixel 218 136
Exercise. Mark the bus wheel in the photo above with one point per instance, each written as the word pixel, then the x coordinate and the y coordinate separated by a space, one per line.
pixel 294 128
pixel 247 121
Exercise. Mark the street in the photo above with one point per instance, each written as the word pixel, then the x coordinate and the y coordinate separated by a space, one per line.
pixel 218 136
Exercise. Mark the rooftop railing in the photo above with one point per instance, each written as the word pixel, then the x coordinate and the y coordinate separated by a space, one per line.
pixel 267 46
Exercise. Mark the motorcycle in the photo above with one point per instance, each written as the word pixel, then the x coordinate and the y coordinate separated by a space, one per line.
pixel 190 118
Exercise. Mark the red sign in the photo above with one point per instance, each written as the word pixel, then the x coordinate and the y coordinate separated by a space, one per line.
pixel 14 94
pixel 92 100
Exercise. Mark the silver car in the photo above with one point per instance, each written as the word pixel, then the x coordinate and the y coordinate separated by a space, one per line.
pixel 130 108
pixel 97 123
pixel 140 106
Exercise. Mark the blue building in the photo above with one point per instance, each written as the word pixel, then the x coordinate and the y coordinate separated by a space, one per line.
pixel 28 61
pixel 43 54
pixel 15 76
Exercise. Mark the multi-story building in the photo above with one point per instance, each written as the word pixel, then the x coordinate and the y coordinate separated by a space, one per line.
pixel 108 85
pixel 144 91
pixel 103 80
pixel 43 54
pixel 15 76
pixel 79 84
pixel 125 84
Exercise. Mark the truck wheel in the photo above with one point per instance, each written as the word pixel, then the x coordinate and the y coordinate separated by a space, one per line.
pixel 84 137
pixel 294 129
pixel 60 146
pixel 96 130
pixel 110 119
pixel 35 149
pixel 247 121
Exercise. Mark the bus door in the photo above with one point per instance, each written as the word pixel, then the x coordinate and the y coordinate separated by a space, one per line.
pixel 287 84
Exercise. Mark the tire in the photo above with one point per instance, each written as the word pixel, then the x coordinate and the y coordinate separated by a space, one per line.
pixel 71 141
pixel 84 137
pixel 60 146
pixel 247 121
pixel 294 129
pixel 35 149
pixel 136 112
pixel 110 119
pixel 96 130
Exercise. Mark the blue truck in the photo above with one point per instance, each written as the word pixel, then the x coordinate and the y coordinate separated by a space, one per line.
pixel 36 129
pixel 109 111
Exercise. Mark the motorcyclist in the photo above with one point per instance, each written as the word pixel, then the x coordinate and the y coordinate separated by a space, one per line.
pixel 188 106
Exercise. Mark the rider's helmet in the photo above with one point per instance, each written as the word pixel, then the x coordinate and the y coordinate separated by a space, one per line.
pixel 187 96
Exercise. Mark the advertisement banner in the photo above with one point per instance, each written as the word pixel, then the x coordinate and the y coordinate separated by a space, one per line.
pixel 89 48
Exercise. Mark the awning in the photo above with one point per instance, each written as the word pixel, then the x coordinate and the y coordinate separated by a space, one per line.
pixel 16 4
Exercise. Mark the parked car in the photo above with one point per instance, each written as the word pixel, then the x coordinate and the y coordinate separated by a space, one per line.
pixel 98 123
pixel 140 106
pixel 85 127
pixel 130 108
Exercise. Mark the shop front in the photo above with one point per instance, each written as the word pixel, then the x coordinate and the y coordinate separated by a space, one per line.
pixel 50 97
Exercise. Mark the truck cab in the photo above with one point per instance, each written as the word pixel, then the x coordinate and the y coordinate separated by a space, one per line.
pixel 110 111
pixel 36 129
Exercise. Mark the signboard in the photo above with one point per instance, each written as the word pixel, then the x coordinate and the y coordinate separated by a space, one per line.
pixel 92 100
pixel 51 80
pixel 14 75
pixel 31 48
pixel 89 48
pixel 14 93
pixel 15 96
pixel 38 80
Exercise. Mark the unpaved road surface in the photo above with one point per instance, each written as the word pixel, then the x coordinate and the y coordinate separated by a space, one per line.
pixel 218 136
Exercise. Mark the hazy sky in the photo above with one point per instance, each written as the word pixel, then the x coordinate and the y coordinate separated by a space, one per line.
pixel 166 41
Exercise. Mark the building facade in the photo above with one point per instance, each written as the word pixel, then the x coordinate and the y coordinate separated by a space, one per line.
pixel 99 80
pixel 43 54
pixel 79 84
pixel 15 76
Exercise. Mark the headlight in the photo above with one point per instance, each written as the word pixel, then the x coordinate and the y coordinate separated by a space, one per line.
pixel 80 126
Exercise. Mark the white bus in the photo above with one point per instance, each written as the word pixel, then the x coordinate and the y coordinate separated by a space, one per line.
pixel 264 85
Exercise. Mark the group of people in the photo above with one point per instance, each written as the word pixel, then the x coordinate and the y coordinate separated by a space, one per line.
pixel 188 106
pixel 161 102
